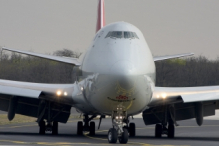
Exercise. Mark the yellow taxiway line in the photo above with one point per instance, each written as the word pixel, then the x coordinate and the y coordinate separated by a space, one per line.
pixel 129 143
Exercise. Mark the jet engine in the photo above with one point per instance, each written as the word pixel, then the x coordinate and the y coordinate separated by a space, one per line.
pixel 199 113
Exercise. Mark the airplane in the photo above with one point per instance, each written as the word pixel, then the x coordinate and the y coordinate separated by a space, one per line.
pixel 116 78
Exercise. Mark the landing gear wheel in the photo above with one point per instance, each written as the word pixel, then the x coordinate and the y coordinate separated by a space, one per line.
pixel 55 128
pixel 92 128
pixel 112 135
pixel 158 130
pixel 80 128
pixel 132 129
pixel 42 127
pixel 171 131
pixel 124 137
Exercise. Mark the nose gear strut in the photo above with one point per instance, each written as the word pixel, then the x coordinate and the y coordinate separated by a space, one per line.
pixel 119 122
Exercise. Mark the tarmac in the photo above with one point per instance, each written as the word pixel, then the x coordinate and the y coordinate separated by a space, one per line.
pixel 188 133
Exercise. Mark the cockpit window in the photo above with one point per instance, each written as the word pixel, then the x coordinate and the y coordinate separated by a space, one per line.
pixel 132 35
pixel 115 34
pixel 109 34
pixel 121 34
pixel 127 35
pixel 136 35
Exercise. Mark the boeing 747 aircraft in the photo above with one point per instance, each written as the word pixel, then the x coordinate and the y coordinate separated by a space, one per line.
pixel 115 77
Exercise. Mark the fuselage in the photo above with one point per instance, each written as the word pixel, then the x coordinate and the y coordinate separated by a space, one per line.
pixel 118 69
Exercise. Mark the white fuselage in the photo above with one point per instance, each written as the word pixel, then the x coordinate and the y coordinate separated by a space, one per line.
pixel 117 71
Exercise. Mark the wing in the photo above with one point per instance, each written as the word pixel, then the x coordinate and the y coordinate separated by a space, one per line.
pixel 68 60
pixel 159 58
pixel 182 103
pixel 184 94
pixel 37 90
pixel 32 99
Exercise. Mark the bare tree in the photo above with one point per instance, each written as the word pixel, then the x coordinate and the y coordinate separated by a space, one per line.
pixel 67 53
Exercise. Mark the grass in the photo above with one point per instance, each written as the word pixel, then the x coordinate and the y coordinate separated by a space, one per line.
pixel 17 119
pixel 25 119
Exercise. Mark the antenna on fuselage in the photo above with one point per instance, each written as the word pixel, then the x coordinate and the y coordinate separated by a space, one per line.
pixel 100 15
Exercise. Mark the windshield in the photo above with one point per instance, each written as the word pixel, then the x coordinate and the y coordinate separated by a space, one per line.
pixel 121 34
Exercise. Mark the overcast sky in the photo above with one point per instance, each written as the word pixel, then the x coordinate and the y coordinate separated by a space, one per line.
pixel 169 26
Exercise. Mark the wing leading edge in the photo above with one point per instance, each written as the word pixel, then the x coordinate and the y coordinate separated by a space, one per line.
pixel 16 91
pixel 185 94
pixel 159 58
pixel 68 60
pixel 54 92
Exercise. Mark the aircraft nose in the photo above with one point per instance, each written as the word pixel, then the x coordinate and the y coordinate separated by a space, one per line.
pixel 122 68
pixel 124 74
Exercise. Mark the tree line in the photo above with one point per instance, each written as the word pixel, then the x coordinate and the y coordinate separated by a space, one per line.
pixel 192 71
pixel 14 66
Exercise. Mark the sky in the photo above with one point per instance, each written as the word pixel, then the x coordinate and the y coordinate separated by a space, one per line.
pixel 169 26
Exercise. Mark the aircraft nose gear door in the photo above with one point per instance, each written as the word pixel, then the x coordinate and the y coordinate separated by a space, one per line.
pixel 119 120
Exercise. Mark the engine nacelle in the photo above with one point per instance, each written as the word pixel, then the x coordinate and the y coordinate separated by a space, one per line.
pixel 199 113
pixel 12 108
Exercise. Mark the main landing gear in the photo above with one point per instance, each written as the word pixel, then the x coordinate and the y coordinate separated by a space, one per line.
pixel 87 126
pixel 169 119
pixel 132 129
pixel 120 130
pixel 51 127
pixel 162 129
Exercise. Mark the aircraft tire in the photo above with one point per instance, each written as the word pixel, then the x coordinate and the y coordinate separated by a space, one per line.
pixel 171 131
pixel 124 137
pixel 80 128
pixel 112 135
pixel 42 129
pixel 158 130
pixel 55 128
pixel 92 128
pixel 132 129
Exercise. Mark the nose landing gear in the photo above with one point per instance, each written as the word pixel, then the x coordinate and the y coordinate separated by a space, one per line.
pixel 119 121
pixel 112 135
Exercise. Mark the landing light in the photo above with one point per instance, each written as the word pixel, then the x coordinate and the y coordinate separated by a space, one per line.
pixel 164 96
pixel 58 93
pixel 65 93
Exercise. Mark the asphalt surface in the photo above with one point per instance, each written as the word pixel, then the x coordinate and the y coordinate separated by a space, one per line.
pixel 188 133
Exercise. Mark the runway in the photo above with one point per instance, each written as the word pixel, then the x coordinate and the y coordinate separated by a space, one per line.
pixel 188 133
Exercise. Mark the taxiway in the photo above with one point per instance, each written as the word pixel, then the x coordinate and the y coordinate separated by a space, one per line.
pixel 188 133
